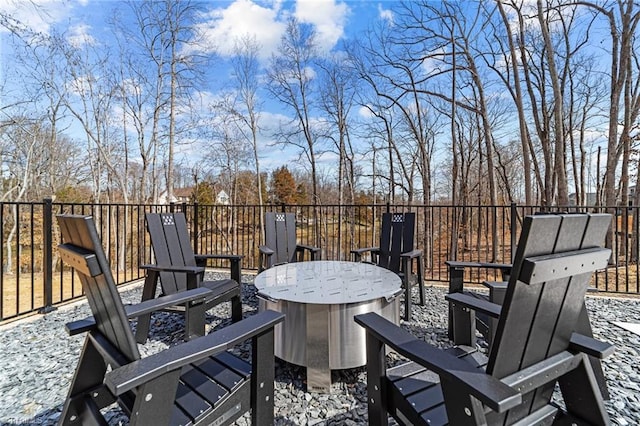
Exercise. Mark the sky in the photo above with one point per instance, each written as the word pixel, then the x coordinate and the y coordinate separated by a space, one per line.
pixel 223 21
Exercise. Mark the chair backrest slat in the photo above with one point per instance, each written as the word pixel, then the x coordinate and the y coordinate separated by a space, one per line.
pixel 171 246
pixel 81 240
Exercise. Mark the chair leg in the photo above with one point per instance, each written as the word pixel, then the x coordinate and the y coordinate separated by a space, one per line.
pixel 420 279
pixel 581 394
pixel 194 318
pixel 584 327
pixel 406 282
pixel 142 328
pixel 463 325
pixel 262 382
pixel 148 293
pixel 376 369
pixel 407 298
pixel 456 284
pixel 236 308
pixel 89 375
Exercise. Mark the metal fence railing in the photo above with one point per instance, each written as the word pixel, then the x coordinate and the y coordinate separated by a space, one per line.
pixel 33 278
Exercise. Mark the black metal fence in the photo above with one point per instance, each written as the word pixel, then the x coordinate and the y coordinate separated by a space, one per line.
pixel 33 279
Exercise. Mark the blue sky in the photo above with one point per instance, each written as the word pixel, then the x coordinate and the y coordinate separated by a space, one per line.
pixel 223 21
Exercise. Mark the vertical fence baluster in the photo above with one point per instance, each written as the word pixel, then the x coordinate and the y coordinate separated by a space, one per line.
pixel 47 255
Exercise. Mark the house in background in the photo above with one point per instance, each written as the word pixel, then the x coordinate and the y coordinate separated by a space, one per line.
pixel 184 195
pixel 180 195
pixel 591 199
pixel 223 198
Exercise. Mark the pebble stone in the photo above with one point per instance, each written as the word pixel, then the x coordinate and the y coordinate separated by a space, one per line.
pixel 38 360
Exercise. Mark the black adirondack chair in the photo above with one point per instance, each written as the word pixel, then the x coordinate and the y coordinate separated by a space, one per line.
pixel 535 344
pixel 179 269
pixel 281 244
pixel 397 253
pixel 464 322
pixel 197 382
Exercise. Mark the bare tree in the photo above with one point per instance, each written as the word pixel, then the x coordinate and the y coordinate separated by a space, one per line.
pixel 165 39
pixel 559 165
pixel 291 81
pixel 246 104
pixel 515 89
pixel 337 92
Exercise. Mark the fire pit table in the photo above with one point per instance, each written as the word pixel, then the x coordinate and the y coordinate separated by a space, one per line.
pixel 319 300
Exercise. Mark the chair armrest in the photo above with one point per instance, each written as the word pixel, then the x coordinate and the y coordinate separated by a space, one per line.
pixel 477 304
pixel 266 250
pixel 231 257
pixel 174 268
pixel 265 258
pixel 158 303
pixel 590 346
pixel 134 374
pixel 360 251
pixel 235 263
pixel 412 254
pixel 495 285
pixel 301 249
pixel 312 249
pixel 486 388
pixel 357 253
pixel 456 272
pixel 80 326
pixel 505 267
pixel 148 306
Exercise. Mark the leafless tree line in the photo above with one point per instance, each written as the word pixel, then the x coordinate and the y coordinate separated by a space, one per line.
pixel 447 102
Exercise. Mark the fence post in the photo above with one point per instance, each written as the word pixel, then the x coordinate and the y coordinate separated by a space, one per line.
pixel 514 229
pixel 388 206
pixel 47 255
pixel 195 227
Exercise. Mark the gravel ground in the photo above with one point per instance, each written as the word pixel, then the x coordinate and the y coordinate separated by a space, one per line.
pixel 38 359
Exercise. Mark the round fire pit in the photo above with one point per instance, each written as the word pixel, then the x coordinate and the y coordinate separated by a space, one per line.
pixel 319 300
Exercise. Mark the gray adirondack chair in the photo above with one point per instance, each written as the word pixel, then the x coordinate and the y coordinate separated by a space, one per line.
pixel 177 269
pixel 281 244
pixel 535 344
pixel 397 253
pixel 197 382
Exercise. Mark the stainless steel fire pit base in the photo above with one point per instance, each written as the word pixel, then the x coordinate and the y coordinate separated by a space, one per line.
pixel 321 334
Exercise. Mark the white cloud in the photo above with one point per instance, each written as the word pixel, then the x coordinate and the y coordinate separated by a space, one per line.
pixel 37 15
pixel 385 14
pixel 327 16
pixel 365 112
pixel 242 18
pixel 79 36
pixel 267 23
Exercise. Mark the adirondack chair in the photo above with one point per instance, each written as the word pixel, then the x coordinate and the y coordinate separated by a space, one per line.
pixel 485 324
pixel 535 345
pixel 197 382
pixel 179 269
pixel 397 253
pixel 464 322
pixel 280 244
